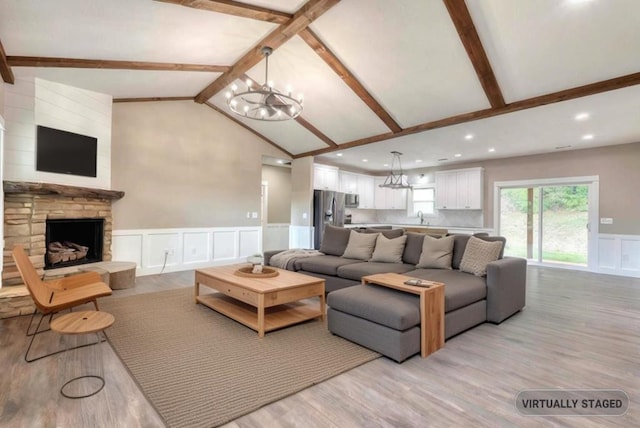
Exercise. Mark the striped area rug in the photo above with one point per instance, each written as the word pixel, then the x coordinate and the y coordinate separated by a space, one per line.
pixel 202 369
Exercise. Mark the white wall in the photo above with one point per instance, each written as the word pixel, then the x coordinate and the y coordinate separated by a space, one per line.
pixel 32 101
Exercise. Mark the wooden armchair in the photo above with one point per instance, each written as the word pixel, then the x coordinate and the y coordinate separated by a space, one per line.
pixel 56 295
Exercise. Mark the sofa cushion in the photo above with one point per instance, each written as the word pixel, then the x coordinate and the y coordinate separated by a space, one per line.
pixel 436 253
pixel 356 271
pixel 413 248
pixel 460 243
pixel 360 245
pixel 388 233
pixel 327 265
pixel 388 250
pixel 478 254
pixel 460 288
pixel 334 240
pixel 391 308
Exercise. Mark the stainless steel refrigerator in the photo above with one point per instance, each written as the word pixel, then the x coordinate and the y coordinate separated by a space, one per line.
pixel 328 208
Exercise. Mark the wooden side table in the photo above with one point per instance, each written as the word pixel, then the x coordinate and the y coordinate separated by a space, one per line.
pixel 431 307
pixel 74 325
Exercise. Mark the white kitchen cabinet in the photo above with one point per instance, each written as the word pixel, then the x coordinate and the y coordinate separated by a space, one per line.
pixel 348 182
pixel 366 191
pixel 459 189
pixel 325 177
pixel 389 199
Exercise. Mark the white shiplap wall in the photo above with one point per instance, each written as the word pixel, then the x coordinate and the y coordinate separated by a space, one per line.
pixel 32 101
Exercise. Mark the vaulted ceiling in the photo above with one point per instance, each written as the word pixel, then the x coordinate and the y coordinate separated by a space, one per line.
pixel 442 81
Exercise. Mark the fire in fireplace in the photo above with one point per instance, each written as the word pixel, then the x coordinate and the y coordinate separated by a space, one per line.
pixel 73 241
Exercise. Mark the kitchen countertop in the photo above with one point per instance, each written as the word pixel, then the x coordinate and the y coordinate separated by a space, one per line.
pixel 426 226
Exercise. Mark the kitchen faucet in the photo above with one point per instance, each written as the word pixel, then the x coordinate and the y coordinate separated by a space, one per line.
pixel 420 217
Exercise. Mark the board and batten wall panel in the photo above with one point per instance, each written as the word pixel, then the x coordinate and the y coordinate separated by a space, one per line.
pixel 183 165
pixel 173 250
pixel 32 101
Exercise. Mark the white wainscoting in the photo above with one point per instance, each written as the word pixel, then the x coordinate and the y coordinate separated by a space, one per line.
pixel 619 255
pixel 300 237
pixel 276 237
pixel 184 249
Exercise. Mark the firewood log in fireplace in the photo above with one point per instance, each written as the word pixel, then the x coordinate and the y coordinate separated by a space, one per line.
pixel 58 252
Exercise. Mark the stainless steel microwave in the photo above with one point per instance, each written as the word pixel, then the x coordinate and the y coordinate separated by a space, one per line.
pixel 351 200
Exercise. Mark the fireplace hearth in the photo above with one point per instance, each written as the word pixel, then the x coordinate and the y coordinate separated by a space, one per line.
pixel 72 242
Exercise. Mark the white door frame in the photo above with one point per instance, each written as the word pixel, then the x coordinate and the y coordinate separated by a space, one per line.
pixel 593 215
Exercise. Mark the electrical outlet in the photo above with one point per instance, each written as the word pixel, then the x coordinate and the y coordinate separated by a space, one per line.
pixel 304 216
pixel 254 214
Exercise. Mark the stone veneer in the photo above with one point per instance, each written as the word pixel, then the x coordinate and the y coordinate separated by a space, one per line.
pixel 27 206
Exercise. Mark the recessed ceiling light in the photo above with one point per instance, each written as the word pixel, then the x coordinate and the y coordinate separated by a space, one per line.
pixel 457 155
pixel 338 154
pixel 280 161
pixel 468 137
pixel 581 116
pixel 587 137
pixel 365 160
pixel 491 150
pixel 418 160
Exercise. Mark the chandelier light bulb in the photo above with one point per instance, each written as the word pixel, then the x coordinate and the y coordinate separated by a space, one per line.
pixel 228 95
pixel 270 84
pixel 234 88
pixel 249 83
pixel 263 112
pixel 246 109
pixel 233 103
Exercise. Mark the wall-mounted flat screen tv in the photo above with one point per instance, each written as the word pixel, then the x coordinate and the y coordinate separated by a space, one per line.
pixel 66 152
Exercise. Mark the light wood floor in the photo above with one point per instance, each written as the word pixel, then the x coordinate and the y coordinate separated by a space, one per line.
pixel 579 330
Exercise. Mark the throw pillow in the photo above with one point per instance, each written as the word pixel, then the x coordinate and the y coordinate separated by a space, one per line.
pixel 360 245
pixel 478 254
pixel 334 240
pixel 436 253
pixel 389 250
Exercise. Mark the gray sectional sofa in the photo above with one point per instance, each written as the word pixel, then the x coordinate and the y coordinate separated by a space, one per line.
pixel 384 319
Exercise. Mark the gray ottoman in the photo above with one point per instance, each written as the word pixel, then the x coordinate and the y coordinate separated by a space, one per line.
pixel 379 318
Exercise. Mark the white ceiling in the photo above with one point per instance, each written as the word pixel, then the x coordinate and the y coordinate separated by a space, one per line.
pixel 407 54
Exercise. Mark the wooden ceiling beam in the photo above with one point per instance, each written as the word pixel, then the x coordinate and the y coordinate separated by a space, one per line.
pixel 256 133
pixel 5 68
pixel 552 98
pixel 235 8
pixel 148 99
pixel 469 36
pixel 348 78
pixel 309 12
pixel 34 61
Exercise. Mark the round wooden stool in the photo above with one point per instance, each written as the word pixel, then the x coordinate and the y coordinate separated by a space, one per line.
pixel 83 370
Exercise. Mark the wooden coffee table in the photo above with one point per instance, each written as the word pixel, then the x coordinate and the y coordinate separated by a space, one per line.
pixel 431 307
pixel 262 304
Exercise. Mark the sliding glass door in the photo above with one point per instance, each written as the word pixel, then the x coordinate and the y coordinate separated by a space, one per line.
pixel 547 223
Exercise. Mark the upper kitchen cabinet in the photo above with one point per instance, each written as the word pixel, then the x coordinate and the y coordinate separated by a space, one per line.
pixel 348 182
pixel 366 190
pixel 325 177
pixel 388 199
pixel 459 189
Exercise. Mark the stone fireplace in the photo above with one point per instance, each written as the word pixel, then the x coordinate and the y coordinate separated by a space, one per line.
pixel 74 241
pixel 29 207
